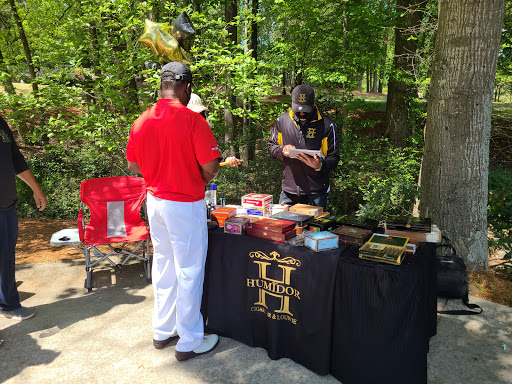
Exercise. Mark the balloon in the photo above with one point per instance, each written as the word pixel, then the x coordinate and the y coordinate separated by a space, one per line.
pixel 183 30
pixel 170 42
pixel 148 38
pixel 168 47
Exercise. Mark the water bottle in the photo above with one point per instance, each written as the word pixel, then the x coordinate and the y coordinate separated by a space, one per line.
pixel 213 193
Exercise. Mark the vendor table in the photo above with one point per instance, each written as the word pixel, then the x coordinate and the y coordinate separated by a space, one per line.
pixel 361 321
pixel 384 316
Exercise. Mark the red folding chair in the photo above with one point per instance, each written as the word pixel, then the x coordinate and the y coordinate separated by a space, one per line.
pixel 115 221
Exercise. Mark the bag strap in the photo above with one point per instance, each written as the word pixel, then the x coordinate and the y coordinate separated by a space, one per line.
pixel 446 243
pixel 463 311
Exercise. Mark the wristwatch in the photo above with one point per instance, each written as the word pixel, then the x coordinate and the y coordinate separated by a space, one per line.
pixel 320 167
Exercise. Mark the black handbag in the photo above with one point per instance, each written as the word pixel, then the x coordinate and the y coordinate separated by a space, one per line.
pixel 452 278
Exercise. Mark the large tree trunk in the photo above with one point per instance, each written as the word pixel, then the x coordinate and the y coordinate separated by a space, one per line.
pixel 401 88
pixel 26 47
pixel 455 166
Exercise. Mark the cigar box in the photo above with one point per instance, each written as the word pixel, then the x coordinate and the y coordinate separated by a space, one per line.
pixel 412 224
pixel 299 218
pixel 307 209
pixel 434 236
pixel 359 222
pixel 272 236
pixel 319 224
pixel 256 200
pixel 260 211
pixel 321 241
pixel 352 235
pixel 236 225
pixel 273 225
pixel 275 208
pixel 223 213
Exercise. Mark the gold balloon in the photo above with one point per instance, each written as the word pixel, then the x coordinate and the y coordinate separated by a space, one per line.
pixel 149 36
pixel 170 43
pixel 168 46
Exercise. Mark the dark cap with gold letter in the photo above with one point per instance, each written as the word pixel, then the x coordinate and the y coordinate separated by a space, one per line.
pixel 303 99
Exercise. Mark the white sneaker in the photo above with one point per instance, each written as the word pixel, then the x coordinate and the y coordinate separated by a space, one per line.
pixel 209 343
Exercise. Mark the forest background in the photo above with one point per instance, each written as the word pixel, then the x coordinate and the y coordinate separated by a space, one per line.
pixel 75 77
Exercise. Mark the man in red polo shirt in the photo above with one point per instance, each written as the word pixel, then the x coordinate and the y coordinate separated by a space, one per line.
pixel 175 151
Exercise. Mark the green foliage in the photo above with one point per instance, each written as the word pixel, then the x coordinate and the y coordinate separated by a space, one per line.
pixel 499 211
pixel 375 179
pixel 59 173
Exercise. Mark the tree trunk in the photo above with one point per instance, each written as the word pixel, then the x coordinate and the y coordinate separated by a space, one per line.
pixel 254 29
pixel 26 47
pixel 454 190
pixel 401 86
pixel 230 131
pixel 7 80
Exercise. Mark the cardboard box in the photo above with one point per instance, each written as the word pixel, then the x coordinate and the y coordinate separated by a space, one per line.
pixel 273 225
pixel 321 241
pixel 307 209
pixel 256 200
pixel 276 208
pixel 272 236
pixel 223 213
pixel 265 211
pixel 240 211
pixel 433 236
pixel 236 225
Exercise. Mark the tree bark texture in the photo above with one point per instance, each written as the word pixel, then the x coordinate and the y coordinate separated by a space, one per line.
pixel 401 88
pixel 454 190
pixel 26 47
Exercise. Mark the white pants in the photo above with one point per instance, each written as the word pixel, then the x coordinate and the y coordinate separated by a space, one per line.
pixel 180 239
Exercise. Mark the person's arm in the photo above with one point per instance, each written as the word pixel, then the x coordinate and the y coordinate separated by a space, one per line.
pixel 39 196
pixel 333 151
pixel 210 170
pixel 134 167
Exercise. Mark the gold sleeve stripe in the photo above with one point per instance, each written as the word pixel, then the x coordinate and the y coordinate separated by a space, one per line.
pixel 279 138
pixel 324 147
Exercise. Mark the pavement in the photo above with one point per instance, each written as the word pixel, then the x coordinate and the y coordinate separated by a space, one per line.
pixel 104 336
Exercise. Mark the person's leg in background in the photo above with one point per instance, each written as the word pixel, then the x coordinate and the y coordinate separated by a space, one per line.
pixel 9 298
pixel 318 200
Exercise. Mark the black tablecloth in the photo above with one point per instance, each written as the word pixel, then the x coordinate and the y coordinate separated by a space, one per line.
pixel 295 284
pixel 383 318
pixel 361 321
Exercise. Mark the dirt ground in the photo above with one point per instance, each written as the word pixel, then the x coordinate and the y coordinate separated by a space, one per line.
pixel 34 247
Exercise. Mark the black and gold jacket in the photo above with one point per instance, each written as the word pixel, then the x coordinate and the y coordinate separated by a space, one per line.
pixel 318 134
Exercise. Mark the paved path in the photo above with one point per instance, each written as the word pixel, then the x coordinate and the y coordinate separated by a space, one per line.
pixel 105 337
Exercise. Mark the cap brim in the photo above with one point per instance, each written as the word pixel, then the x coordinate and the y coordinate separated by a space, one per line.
pixel 301 108
pixel 197 109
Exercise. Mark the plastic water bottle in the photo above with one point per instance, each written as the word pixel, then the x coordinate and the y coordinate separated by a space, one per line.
pixel 213 193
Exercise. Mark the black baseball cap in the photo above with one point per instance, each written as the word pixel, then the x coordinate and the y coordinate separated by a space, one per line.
pixel 176 71
pixel 303 98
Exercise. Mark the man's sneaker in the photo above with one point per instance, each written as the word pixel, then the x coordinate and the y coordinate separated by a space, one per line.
pixel 209 343
pixel 18 314
pixel 159 344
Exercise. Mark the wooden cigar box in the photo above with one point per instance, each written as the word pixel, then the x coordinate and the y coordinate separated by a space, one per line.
pixel 272 236
pixel 352 235
pixel 273 225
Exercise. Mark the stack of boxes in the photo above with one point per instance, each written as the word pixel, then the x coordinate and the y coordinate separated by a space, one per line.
pixel 257 204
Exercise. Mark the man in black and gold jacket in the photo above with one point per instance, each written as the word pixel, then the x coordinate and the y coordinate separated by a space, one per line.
pixel 305 178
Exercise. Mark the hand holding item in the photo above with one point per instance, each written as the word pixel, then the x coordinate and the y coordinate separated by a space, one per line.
pixel 313 162
pixel 232 161
pixel 286 148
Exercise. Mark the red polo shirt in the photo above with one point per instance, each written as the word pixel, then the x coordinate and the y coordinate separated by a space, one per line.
pixel 170 143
